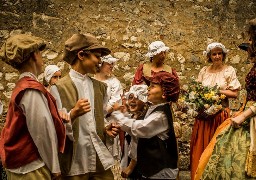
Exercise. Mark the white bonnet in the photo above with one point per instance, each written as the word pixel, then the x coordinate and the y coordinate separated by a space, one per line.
pixel 139 91
pixel 49 72
pixel 109 59
pixel 214 45
pixel 155 48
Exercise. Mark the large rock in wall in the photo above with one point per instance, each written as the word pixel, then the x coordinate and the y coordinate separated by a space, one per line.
pixel 127 27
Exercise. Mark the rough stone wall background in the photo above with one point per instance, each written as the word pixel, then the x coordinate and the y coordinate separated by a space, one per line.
pixel 127 27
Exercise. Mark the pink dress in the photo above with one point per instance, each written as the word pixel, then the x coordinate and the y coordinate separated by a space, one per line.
pixel 203 130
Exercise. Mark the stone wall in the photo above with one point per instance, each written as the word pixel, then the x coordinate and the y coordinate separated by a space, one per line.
pixel 127 27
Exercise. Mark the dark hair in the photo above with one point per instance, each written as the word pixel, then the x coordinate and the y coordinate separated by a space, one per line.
pixel 252 34
pixel 85 53
pixel 45 83
pixel 31 55
pixel 209 60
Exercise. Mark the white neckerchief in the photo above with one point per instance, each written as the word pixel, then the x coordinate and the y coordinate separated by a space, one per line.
pixel 28 74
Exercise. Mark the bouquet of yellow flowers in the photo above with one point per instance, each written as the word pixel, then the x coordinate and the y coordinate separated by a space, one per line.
pixel 203 102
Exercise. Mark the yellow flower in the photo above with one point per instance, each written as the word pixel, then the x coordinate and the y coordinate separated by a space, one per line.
pixel 208 96
pixel 212 93
pixel 222 96
pixel 181 99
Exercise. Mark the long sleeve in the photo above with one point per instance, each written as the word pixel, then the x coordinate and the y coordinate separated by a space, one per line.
pixel 232 80
pixel 116 91
pixel 55 93
pixel 155 124
pixel 41 128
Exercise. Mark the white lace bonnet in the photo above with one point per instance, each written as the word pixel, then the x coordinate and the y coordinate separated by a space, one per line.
pixel 155 48
pixel 109 59
pixel 214 45
pixel 139 91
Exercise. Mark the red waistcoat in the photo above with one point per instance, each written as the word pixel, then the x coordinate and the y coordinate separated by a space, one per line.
pixel 16 145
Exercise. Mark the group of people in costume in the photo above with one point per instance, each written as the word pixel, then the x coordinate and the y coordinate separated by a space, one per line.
pixel 62 129
pixel 75 127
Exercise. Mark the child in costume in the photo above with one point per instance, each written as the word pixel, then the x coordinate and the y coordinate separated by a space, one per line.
pixel 157 154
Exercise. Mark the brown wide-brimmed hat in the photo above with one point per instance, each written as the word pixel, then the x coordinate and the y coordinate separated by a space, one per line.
pixel 18 49
pixel 82 42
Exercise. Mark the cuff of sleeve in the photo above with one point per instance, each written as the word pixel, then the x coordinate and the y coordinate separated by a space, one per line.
pixel 117 116
pixel 253 108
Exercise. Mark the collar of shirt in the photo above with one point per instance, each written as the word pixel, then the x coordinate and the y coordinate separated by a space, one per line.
pixel 77 75
pixel 28 74
pixel 152 107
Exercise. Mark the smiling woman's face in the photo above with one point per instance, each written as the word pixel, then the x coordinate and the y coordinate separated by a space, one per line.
pixel 216 55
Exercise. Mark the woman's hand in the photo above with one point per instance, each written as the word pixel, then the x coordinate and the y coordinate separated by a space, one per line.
pixel 229 93
pixel 237 121
pixel 235 114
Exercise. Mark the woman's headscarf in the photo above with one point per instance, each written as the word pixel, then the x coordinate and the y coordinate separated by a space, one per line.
pixel 49 72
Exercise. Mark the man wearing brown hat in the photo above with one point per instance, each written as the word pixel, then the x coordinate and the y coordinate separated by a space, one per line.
pixel 34 132
pixel 86 156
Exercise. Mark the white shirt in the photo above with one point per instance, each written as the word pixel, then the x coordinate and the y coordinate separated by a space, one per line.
pixel 114 90
pixel 41 128
pixel 155 124
pixel 89 143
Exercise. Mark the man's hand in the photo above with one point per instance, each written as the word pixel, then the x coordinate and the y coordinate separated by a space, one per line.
pixel 126 172
pixel 82 106
pixel 64 115
pixel 56 176
pixel 112 130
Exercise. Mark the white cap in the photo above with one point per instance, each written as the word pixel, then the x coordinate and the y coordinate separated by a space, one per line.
pixel 49 72
pixel 214 45
pixel 139 91
pixel 109 59
pixel 155 48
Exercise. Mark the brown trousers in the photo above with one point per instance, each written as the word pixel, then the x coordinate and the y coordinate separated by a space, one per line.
pixel 42 173
pixel 100 174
